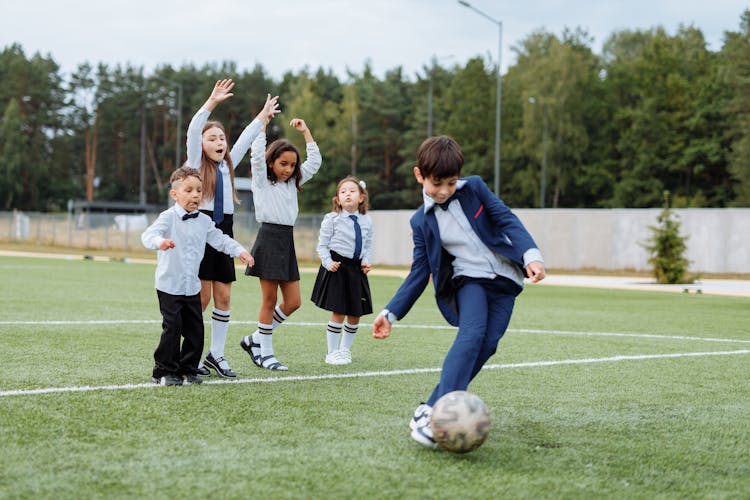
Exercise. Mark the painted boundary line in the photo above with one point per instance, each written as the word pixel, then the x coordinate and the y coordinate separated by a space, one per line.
pixel 396 326
pixel 307 378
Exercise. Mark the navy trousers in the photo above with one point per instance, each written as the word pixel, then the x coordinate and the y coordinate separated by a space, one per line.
pixel 484 310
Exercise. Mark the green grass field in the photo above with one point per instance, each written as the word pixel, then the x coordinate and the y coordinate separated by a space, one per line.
pixel 593 394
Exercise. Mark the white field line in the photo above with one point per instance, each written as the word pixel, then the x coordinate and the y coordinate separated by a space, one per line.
pixel 307 378
pixel 396 326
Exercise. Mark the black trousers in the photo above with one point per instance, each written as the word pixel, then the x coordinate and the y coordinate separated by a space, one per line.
pixel 181 317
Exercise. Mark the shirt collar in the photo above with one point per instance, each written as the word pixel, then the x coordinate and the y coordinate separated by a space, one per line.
pixel 429 203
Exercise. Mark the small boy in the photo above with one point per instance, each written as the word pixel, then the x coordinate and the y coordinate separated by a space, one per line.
pixel 187 231
pixel 476 251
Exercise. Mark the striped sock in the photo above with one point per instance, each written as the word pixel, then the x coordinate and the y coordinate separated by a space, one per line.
pixel 278 317
pixel 333 334
pixel 219 329
pixel 350 331
pixel 264 337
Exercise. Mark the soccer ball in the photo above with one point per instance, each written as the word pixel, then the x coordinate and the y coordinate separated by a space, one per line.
pixel 460 422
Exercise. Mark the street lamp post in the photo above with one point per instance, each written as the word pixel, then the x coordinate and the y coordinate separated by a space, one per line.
pixel 545 143
pixel 499 90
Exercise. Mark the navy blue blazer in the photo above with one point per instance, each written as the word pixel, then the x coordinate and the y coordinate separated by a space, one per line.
pixel 495 224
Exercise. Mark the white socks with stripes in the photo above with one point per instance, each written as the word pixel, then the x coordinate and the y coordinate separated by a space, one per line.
pixel 219 329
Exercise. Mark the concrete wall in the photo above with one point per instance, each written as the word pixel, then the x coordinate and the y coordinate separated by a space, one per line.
pixel 718 239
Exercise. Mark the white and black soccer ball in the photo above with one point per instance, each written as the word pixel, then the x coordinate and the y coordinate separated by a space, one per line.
pixel 460 422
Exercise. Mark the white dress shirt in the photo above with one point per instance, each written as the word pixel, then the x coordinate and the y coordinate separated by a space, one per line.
pixel 177 268
pixel 238 152
pixel 473 258
pixel 337 234
pixel 276 202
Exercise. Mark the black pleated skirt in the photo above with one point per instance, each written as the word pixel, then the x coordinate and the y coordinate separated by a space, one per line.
pixel 347 291
pixel 274 254
pixel 218 266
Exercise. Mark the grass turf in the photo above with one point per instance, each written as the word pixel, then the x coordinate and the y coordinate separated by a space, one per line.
pixel 584 400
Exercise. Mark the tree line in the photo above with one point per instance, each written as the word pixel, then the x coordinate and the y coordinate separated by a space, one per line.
pixel 653 112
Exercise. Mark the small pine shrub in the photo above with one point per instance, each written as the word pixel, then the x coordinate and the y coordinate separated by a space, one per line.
pixel 667 248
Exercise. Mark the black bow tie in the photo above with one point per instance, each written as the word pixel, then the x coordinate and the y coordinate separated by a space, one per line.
pixel 190 216
pixel 447 202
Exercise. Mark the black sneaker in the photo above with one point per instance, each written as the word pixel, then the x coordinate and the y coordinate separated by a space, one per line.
pixel 172 380
pixel 220 366
pixel 203 371
pixel 192 379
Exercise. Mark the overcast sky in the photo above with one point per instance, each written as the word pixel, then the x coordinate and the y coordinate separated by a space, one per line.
pixel 286 35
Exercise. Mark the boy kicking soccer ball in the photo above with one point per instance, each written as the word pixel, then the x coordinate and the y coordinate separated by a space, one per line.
pixel 477 252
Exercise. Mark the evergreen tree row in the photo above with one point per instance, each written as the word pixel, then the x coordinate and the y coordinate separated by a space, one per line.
pixel 654 112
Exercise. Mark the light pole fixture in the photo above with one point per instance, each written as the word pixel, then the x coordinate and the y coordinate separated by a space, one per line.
pixel 499 90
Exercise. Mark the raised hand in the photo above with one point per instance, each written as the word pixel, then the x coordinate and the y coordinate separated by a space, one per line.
pixel 270 109
pixel 222 90
pixel 299 124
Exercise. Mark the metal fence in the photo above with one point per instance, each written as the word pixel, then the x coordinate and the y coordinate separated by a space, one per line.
pixel 122 232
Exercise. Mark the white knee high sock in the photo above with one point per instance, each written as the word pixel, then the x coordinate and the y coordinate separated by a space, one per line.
pixel 333 335
pixel 350 331
pixel 264 338
pixel 278 317
pixel 219 329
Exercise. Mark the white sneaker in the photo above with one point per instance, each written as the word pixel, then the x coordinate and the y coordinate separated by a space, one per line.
pixel 345 357
pixel 332 358
pixel 423 436
pixel 421 416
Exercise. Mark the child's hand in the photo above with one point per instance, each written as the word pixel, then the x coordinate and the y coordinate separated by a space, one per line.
pixel 535 271
pixel 166 245
pixel 334 267
pixel 246 258
pixel 366 268
pixel 299 124
pixel 381 328
pixel 270 109
pixel 222 90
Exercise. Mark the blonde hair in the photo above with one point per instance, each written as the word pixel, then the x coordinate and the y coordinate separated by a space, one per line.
pixel 363 205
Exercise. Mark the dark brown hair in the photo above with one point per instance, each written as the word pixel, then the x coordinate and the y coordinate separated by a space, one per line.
pixel 276 149
pixel 208 167
pixel 363 205
pixel 439 157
